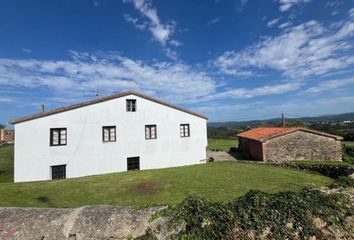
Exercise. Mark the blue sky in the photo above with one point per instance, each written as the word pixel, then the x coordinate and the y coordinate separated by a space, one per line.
pixel 230 60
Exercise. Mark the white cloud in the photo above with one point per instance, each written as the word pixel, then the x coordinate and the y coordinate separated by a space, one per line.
pixel 79 77
pixel 135 22
pixel 160 32
pixel 285 25
pixel 244 93
pixel 176 43
pixel 331 85
pixel 213 21
pixel 108 72
pixel 351 13
pixel 308 49
pixel 273 22
pixel 285 5
pixel 171 54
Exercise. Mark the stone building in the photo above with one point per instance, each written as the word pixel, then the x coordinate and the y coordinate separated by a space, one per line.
pixel 285 144
pixel 7 135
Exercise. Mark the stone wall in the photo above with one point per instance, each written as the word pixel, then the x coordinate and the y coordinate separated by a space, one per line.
pixel 7 135
pixel 90 222
pixel 302 145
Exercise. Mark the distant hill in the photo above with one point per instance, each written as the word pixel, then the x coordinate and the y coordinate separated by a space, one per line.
pixel 323 118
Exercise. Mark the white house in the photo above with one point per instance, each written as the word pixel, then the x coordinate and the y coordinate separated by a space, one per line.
pixel 121 132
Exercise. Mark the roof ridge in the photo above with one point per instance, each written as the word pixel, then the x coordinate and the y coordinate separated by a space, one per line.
pixel 99 100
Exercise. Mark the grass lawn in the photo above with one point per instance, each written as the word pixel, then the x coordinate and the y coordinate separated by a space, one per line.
pixel 222 144
pixel 220 181
pixel 7 164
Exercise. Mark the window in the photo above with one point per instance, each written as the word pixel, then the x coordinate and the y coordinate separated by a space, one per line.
pixel 131 105
pixel 109 134
pixel 57 136
pixel 184 130
pixel 59 172
pixel 133 163
pixel 150 131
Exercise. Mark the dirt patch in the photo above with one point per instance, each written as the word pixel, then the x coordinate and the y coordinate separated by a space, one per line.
pixel 146 188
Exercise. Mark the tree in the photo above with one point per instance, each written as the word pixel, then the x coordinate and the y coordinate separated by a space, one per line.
pixel 2 126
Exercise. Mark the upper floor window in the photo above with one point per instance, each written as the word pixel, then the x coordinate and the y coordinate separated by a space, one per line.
pixel 131 105
pixel 58 136
pixel 184 130
pixel 150 132
pixel 109 134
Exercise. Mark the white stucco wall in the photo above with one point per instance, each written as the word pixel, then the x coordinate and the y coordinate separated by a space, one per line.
pixel 86 154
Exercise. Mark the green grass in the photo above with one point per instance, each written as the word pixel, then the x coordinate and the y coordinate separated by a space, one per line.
pixel 221 181
pixel 7 164
pixel 222 144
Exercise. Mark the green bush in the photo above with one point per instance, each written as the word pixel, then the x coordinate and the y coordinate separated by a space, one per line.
pixel 345 182
pixel 256 211
pixel 348 153
pixel 203 219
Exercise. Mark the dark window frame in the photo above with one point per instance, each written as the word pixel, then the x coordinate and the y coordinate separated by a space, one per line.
pixel 110 138
pixel 149 137
pixel 60 138
pixel 183 133
pixel 56 172
pixel 131 105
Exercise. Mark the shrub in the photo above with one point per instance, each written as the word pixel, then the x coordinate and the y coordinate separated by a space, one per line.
pixel 233 149
pixel 344 182
pixel 285 215
pixel 348 154
pixel 202 219
pixel 211 159
pixel 332 169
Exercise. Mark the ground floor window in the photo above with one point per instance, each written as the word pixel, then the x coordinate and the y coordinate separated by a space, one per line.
pixel 59 172
pixel 133 163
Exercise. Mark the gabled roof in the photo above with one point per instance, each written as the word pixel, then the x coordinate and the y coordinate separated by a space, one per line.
pixel 99 100
pixel 263 134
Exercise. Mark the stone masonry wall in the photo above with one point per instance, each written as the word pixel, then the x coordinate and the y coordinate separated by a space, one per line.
pixel 7 135
pixel 91 222
pixel 302 145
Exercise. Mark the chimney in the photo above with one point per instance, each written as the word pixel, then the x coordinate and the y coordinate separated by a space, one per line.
pixel 42 108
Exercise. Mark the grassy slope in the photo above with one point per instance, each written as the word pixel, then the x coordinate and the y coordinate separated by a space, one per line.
pixel 218 181
pixel 222 144
pixel 6 164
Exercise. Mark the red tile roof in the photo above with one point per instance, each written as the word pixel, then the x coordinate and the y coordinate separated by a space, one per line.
pixel 263 134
